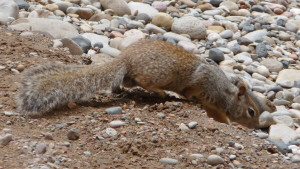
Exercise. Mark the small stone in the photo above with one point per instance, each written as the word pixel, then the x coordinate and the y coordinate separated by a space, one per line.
pixel 48 136
pixel 87 153
pixel 114 110
pixel 232 157
pixel 111 132
pixel 197 156
pixel 9 113
pixel 262 135
pixel 163 20
pixel 296 159
pixel 4 140
pixel 182 126
pixel 281 146
pixel 216 55
pixel 287 120
pixel 261 50
pixel 41 148
pixel 73 134
pixel 192 124
pixel 226 34
pixel 189 25
pixel 215 160
pixel 283 132
pixel 116 123
pixel 278 102
pixel 170 161
pixel 272 64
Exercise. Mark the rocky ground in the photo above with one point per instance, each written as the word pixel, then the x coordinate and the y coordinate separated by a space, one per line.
pixel 256 40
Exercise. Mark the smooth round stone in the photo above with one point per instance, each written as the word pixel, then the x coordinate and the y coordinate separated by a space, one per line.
pixel 261 50
pixel 63 5
pixel 243 57
pixel 189 25
pixel 295 113
pixel 275 89
pixel 263 70
pixel 192 124
pixel 8 10
pixel 265 120
pixel 256 35
pixel 99 16
pixel 216 55
pixel 216 3
pixel 73 134
pixel 163 20
pixel 116 123
pixel 160 6
pixel 215 28
pixel 244 41
pixel 226 34
pixel 83 42
pixel 284 36
pixel 230 5
pixel 22 4
pixel 290 26
pixel 84 13
pixel 212 12
pixel 258 76
pixel 258 8
pixel 296 99
pixel 170 161
pixel 114 110
pixel 197 156
pixel 98 44
pixel 262 135
pixel 142 8
pixel 260 89
pixel 296 106
pixel 111 132
pixel 182 126
pixel 119 7
pixel 41 148
pixel 74 48
pixel 287 120
pixel 94 38
pixel 110 51
pixel 281 102
pixel 4 140
pixel 154 29
pixel 143 17
pixel 285 83
pixel 171 40
pixel 213 37
pixel 272 64
pixel 215 160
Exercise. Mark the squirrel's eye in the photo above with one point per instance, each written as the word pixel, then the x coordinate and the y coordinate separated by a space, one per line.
pixel 251 112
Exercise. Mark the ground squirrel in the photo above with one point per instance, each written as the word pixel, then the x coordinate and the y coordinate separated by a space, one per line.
pixel 154 65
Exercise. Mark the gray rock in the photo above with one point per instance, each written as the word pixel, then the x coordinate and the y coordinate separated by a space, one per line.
pixel 4 140
pixel 41 148
pixel 258 8
pixel 83 42
pixel 285 83
pixel 296 99
pixel 216 55
pixel 278 102
pixel 283 132
pixel 170 161
pixel 22 4
pixel 244 41
pixel 216 3
pixel 73 134
pixel 272 64
pixel 63 6
pixel 226 34
pixel 212 12
pixel 94 38
pixel 9 11
pixel 182 126
pixel 189 25
pixel 154 29
pixel 214 160
pixel 143 17
pixel 51 27
pixel 116 123
pixel 290 26
pixel 74 48
pixel 256 35
pixel 265 120
pixel 275 89
pixel 281 146
pixel 242 57
pixel 260 89
pixel 261 50
pixel 114 110
pixel 161 115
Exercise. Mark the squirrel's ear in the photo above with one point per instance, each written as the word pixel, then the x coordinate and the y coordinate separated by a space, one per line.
pixel 242 88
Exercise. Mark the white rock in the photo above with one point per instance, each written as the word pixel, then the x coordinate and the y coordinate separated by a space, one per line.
pixel 188 46
pixel 192 124
pixel 116 123
pixel 182 126
pixel 288 74
pixel 215 160
pixel 295 113
pixel 198 156
pixel 287 120
pixel 256 35
pixel 4 140
pixel 170 161
pixel 111 132
pixel 189 25
pixel 94 38
pixel 263 70
pixel 283 132
pixel 142 8
pixel 110 51
pixel 154 29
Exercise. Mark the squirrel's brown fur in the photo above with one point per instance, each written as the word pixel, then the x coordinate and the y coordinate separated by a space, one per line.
pixel 152 64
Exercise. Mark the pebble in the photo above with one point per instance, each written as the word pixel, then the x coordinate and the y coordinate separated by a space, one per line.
pixel 111 132
pixel 116 123
pixel 197 156
pixel 189 25
pixel 73 134
pixel 182 126
pixel 114 110
pixel 192 124
pixel 216 55
pixel 5 139
pixel 272 64
pixel 287 120
pixel 170 161
pixel 41 148
pixel 48 136
pixel 282 132
pixel 262 135
pixel 119 7
pixel 215 160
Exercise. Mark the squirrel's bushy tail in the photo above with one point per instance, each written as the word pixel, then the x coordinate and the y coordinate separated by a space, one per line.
pixel 46 87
